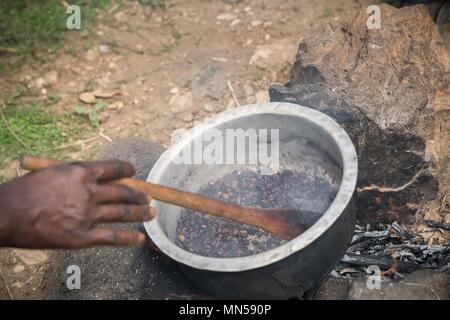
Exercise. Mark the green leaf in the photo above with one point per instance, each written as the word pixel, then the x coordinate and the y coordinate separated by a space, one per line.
pixel 100 106
pixel 80 110
pixel 93 118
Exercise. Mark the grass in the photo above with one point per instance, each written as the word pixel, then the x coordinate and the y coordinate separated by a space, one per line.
pixel 30 31
pixel 31 129
pixel 90 113
pixel 327 12
pixel 155 3
pixel 29 28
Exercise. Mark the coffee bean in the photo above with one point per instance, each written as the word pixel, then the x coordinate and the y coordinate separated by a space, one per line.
pixel 220 237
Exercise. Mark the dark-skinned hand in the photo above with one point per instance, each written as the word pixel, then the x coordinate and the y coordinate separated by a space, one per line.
pixel 61 207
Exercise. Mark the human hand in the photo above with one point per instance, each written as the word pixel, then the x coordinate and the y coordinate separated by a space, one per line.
pixel 60 207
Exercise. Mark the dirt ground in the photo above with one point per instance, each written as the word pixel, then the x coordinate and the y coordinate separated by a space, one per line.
pixel 156 68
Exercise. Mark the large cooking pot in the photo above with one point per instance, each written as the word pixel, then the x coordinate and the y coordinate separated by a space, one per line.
pixel 295 266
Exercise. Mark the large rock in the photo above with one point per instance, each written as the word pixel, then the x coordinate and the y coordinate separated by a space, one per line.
pixel 121 273
pixel 381 86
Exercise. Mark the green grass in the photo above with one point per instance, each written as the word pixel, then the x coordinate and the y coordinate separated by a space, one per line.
pixel 28 28
pixel 91 113
pixel 327 13
pixel 31 129
pixel 155 3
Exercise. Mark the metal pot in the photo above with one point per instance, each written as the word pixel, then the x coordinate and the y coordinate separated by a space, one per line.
pixel 295 266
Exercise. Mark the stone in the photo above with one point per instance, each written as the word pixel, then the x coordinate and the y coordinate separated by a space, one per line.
pixel 140 48
pixel 235 22
pixel 210 81
pixel 188 117
pixel 174 90
pixel 87 97
pixel 39 83
pixel 262 96
pixel 106 269
pixel 249 90
pixel 256 23
pixel 208 107
pixel 104 93
pixel 181 102
pixel 104 48
pixel 121 17
pixel 278 53
pixel 31 257
pixel 51 77
pixel 113 66
pixel 386 103
pixel 18 268
pixel 116 105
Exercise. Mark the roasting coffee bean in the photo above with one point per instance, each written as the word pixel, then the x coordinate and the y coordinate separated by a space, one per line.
pixel 220 237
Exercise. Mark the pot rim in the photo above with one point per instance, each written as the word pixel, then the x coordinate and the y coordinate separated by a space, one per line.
pixel 336 208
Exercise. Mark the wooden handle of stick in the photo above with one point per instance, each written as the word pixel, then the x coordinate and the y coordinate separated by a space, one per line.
pixel 255 217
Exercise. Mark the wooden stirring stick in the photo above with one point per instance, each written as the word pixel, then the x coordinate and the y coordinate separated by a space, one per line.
pixel 283 223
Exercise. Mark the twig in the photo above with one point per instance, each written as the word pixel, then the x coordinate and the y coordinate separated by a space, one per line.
pixel 443 204
pixel 64 4
pixel 113 8
pixel 219 59
pixel 6 285
pixel 434 292
pixel 437 224
pixel 104 136
pixel 233 94
pixel 77 143
pixel 11 131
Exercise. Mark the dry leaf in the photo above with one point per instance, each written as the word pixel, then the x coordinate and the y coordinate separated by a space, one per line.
pixel 104 93
pixel 87 97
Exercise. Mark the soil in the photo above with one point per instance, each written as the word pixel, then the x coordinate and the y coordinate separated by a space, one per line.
pixel 154 60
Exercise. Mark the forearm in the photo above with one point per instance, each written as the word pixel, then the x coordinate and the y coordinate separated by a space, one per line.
pixel 4 227
pixel 5 223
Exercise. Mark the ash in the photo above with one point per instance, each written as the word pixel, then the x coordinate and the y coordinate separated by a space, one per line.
pixel 394 250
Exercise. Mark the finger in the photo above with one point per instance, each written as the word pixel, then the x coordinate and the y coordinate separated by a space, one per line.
pixel 152 213
pixel 123 213
pixel 107 193
pixel 113 237
pixel 109 170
